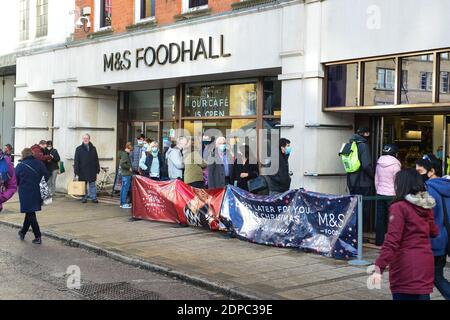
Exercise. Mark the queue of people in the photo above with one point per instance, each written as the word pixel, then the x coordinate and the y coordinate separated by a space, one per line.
pixel 412 221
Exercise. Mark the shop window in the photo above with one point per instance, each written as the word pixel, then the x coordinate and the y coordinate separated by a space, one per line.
pixel 444 94
pixel 220 100
pixel 169 111
pixel 24 13
pixel 379 82
pixel 342 85
pixel 145 105
pixel 420 77
pixel 105 13
pixel 146 8
pixel 272 97
pixel 41 18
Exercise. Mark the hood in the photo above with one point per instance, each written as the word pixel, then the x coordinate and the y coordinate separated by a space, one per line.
pixel 387 161
pixel 358 138
pixel 423 201
pixel 440 185
pixel 170 151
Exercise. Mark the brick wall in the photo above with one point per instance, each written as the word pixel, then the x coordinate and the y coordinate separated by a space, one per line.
pixel 123 12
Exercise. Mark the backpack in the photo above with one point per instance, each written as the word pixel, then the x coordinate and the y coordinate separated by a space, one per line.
pixel 349 157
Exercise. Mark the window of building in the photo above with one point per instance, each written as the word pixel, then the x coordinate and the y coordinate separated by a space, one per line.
pixel 342 85
pixel 105 13
pixel 420 80
pixel 189 5
pixel 272 97
pixel 425 81
pixel 385 79
pixel 24 12
pixel 444 67
pixel 41 18
pixel 426 57
pixel 147 9
pixel 444 82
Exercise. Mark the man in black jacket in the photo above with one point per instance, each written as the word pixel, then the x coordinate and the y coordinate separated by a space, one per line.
pixel 281 181
pixel 361 181
pixel 87 166
pixel 52 166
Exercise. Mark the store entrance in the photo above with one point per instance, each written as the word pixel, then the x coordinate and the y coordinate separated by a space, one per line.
pixel 416 136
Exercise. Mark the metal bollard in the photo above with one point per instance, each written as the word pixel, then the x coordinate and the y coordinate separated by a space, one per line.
pixel 359 261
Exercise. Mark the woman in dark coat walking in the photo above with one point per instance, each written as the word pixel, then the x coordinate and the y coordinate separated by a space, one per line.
pixel 29 173
pixel 87 166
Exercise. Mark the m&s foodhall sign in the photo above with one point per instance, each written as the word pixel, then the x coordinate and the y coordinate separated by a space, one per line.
pixel 171 53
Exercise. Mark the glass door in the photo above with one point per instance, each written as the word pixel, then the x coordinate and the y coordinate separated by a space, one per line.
pixel 152 130
pixel 136 128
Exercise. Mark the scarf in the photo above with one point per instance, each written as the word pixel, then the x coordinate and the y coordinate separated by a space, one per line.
pixel 4 168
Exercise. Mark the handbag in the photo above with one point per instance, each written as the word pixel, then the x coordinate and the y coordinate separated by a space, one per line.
pixel 76 188
pixel 43 188
pixel 61 167
pixel 257 184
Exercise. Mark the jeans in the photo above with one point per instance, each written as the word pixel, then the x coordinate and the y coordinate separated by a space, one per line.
pixel 92 191
pixel 442 284
pixel 52 181
pixel 405 296
pixel 126 183
pixel 31 220
pixel 382 220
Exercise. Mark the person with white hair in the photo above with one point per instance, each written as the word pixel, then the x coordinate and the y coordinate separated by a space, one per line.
pixel 87 166
pixel 174 158
pixel 220 165
pixel 154 162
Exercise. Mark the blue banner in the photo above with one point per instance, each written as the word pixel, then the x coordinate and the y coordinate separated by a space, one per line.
pixel 311 221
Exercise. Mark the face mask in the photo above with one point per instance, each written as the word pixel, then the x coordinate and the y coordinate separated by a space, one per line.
pixel 439 154
pixel 49 148
pixel 288 150
pixel 154 150
pixel 425 177
pixel 140 143
pixel 223 147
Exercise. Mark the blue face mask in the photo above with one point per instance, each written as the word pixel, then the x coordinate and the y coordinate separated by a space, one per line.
pixel 140 143
pixel 223 147
pixel 154 151
pixel 439 154
pixel 288 150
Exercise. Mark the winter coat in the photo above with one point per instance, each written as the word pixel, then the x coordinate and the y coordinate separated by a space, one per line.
pixel 407 247
pixel 86 164
pixel 251 169
pixel 193 167
pixel 39 154
pixel 387 168
pixel 52 165
pixel 135 156
pixel 28 181
pixel 216 169
pixel 8 187
pixel 281 181
pixel 148 164
pixel 125 163
pixel 365 175
pixel 175 164
pixel 439 189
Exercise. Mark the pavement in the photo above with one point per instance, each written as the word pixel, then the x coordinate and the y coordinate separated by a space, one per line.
pixel 41 272
pixel 232 267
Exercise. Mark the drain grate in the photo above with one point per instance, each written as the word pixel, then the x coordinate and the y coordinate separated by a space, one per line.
pixel 115 291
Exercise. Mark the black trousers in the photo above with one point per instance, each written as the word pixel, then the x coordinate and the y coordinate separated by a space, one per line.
pixel 198 184
pixel 381 224
pixel 364 191
pixel 31 220
pixel 442 284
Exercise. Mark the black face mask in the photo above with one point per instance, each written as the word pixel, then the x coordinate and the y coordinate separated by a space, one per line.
pixel 425 177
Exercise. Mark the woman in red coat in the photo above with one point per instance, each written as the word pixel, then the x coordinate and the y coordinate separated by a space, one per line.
pixel 407 247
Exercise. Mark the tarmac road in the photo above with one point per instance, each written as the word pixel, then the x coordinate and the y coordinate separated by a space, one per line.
pixel 29 271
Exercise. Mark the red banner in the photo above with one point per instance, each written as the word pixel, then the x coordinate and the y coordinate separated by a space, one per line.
pixel 176 202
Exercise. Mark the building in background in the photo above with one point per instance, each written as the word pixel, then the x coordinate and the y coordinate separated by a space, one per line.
pixel 315 70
